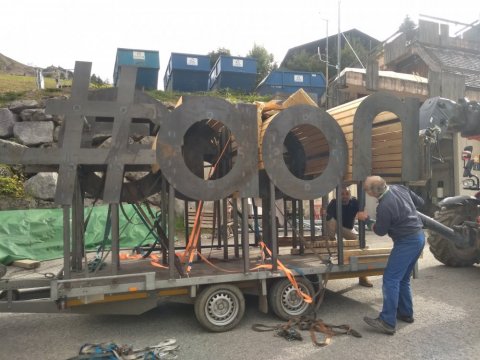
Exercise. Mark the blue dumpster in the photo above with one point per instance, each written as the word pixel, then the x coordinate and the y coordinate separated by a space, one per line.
pixel 287 82
pixel 187 73
pixel 233 72
pixel 148 63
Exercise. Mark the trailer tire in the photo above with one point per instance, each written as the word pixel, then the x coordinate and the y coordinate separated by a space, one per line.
pixel 445 251
pixel 284 300
pixel 220 307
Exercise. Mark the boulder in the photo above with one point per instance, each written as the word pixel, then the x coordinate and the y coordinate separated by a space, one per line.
pixel 7 120
pixel 19 105
pixel 42 186
pixel 34 133
pixel 10 147
pixel 35 115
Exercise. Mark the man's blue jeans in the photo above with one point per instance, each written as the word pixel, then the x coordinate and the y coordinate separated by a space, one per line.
pixel 397 295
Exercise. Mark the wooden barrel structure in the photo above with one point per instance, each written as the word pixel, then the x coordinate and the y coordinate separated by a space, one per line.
pixel 386 142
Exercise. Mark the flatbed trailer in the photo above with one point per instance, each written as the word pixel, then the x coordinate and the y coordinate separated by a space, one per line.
pixel 215 290
pixel 299 153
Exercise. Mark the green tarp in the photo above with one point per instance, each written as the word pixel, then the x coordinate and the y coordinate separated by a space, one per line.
pixel 38 234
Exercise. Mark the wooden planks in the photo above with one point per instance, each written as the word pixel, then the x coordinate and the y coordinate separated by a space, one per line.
pixel 26 264
pixel 386 142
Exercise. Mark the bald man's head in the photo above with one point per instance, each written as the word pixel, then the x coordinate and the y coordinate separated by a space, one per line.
pixel 375 186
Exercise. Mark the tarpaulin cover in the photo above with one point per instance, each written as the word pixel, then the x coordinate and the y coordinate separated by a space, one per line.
pixel 37 234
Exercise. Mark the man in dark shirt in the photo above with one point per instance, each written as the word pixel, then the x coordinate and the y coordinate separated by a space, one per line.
pixel 397 217
pixel 350 209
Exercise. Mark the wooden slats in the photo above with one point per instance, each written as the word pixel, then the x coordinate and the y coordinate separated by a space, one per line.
pixel 386 142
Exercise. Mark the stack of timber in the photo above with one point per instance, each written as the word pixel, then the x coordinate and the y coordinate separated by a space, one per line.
pixel 386 141
pixel 208 224
pixel 386 137
pixel 321 244
pixel 351 249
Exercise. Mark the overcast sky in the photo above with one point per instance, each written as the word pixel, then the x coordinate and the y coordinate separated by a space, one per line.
pixel 59 32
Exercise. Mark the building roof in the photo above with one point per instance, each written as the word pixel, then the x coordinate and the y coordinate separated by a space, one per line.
pixel 311 47
pixel 390 74
pixel 462 62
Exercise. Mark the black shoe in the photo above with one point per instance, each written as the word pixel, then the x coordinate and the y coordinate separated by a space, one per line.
pixel 363 281
pixel 405 318
pixel 379 324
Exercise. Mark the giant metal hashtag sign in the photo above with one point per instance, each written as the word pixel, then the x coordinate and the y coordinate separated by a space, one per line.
pixel 69 155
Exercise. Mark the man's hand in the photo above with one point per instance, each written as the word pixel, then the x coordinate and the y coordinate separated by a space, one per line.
pixel 323 212
pixel 362 215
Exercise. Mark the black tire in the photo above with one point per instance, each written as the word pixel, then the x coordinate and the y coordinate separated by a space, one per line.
pixel 220 307
pixel 445 251
pixel 284 300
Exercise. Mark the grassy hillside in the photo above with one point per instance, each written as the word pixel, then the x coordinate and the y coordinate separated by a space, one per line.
pixel 17 87
pixel 10 66
pixel 17 83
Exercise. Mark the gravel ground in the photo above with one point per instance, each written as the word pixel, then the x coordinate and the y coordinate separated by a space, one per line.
pixel 447 314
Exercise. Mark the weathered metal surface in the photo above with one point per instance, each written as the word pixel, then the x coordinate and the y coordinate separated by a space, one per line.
pixel 273 148
pixel 240 121
pixel 70 155
pixel 372 106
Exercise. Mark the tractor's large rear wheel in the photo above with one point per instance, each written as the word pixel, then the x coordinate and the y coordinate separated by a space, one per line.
pixel 444 250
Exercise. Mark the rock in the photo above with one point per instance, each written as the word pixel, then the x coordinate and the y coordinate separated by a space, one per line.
pixel 10 147
pixel 34 133
pixel 26 115
pixel 11 203
pixel 35 115
pixel 7 120
pixel 56 134
pixel 42 186
pixel 19 105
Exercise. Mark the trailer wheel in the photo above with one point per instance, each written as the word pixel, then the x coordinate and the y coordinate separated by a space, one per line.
pixel 284 300
pixel 220 307
pixel 445 251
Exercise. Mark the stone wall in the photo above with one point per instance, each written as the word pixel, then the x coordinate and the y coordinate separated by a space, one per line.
pixel 24 123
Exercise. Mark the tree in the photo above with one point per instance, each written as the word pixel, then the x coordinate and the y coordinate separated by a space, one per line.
pixel 304 61
pixel 408 27
pixel 94 79
pixel 214 55
pixel 265 61
pixel 348 57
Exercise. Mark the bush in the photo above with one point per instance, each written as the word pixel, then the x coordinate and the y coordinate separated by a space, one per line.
pixel 11 96
pixel 12 186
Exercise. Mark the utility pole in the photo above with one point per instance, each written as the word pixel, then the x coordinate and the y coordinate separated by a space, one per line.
pixel 327 65
pixel 339 43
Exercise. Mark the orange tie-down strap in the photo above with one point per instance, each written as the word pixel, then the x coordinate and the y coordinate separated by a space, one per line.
pixel 155 262
pixel 307 298
pixel 289 330
pixel 155 259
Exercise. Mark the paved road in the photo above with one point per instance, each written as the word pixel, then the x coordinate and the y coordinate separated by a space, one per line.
pixel 447 326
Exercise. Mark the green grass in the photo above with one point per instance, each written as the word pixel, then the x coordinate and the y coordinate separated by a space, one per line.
pixel 232 96
pixel 16 87
pixel 17 83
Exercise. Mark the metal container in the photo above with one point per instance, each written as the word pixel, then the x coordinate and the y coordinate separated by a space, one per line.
pixel 233 72
pixel 287 82
pixel 147 62
pixel 187 73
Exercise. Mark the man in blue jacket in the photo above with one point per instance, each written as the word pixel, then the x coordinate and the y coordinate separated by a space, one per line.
pixel 397 217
